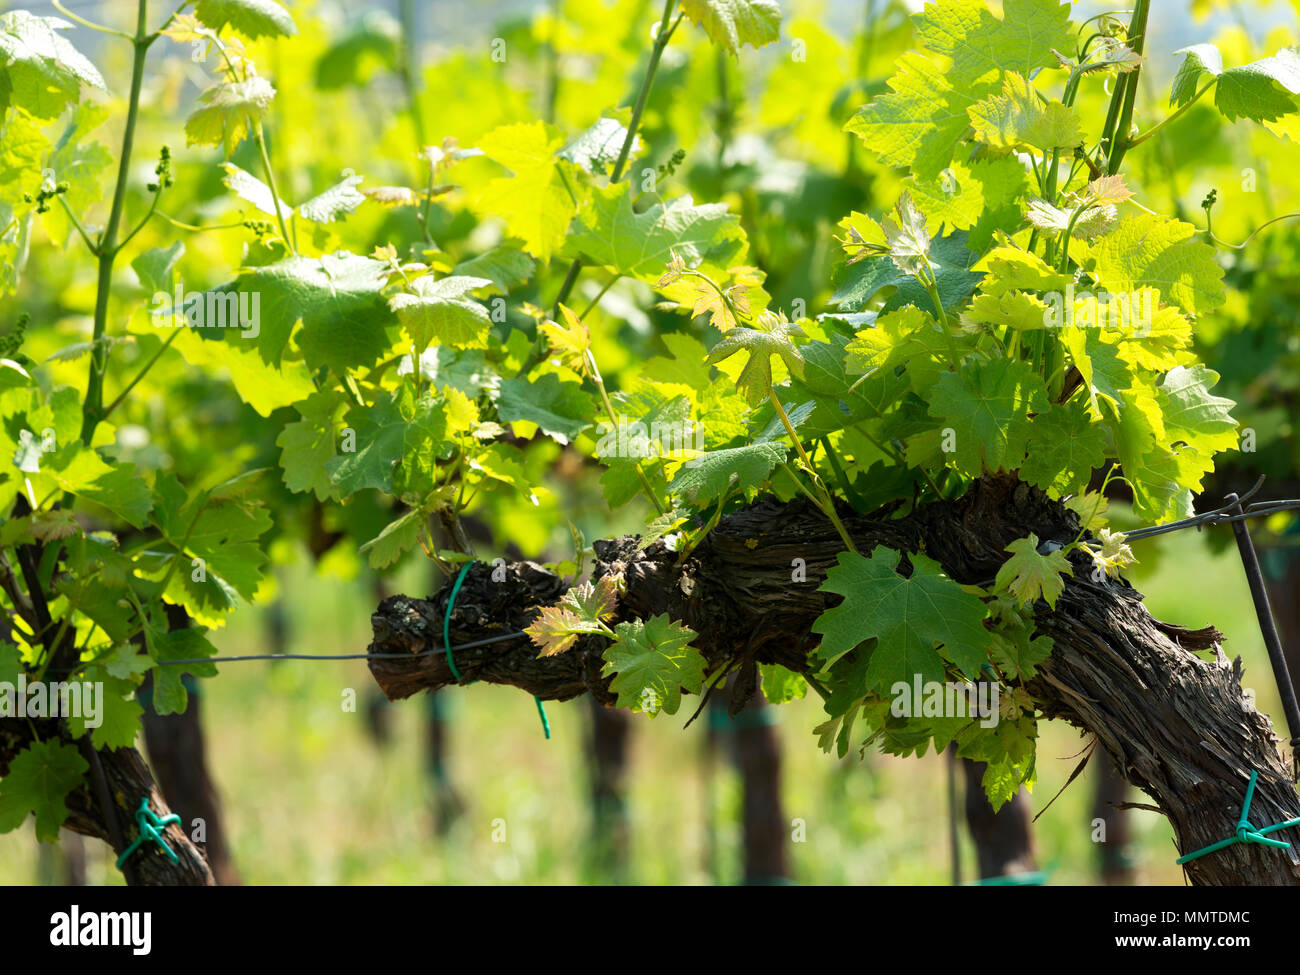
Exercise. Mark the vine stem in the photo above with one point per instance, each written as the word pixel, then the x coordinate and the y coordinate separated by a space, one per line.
pixel 667 26
pixel 931 284
pixel 94 249
pixel 1163 122
pixel 826 503
pixel 613 418
pixel 140 375
pixel 1120 143
pixel 90 24
pixel 92 406
pixel 260 138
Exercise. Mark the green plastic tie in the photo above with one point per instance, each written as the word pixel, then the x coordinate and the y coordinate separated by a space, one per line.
pixel 1246 832
pixel 745 721
pixel 151 828
pixel 1028 878
pixel 1035 878
pixel 451 662
pixel 446 621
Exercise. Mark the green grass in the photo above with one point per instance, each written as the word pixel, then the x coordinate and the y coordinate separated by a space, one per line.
pixel 311 799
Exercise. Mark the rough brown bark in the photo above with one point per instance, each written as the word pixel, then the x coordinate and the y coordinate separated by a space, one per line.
pixel 118 774
pixel 1178 725
pixel 128 780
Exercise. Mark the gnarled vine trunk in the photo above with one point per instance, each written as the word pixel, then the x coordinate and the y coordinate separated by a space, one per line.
pixel 128 780
pixel 1177 725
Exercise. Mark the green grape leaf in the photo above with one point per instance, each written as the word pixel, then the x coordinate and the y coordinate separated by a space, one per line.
pixel 40 778
pixel 731 24
pixel 391 429
pixel 610 233
pixel 438 312
pixel 125 662
pixel 598 146
pixel 771 336
pixel 1029 576
pixel 1192 413
pixel 652 660
pixel 227 113
pixel 707 476
pixel 334 203
pixel 252 18
pixel 684 365
pixel 308 445
pixel 1161 477
pixel 216 542
pixel 987 406
pixel 1018 118
pixel 398 537
pixel 169 695
pixel 919 121
pixel 117 720
pixel 1017 656
pixel 561 409
pixel 506 267
pixel 84 473
pixel 535 201
pixel 1105 374
pixel 950 259
pixel 1016 310
pixel 781 685
pixel 893 339
pixel 1263 90
pixel 500 462
pixel 980 198
pixel 337 298
pixel 1200 59
pixel 154 267
pixel 1008 268
pixel 982 45
pixel 262 386
pixel 40 71
pixel 1065 448
pixel 1147 249
pixel 252 190
pixel 908 617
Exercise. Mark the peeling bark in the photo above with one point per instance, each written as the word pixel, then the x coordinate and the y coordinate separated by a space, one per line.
pixel 1177 725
